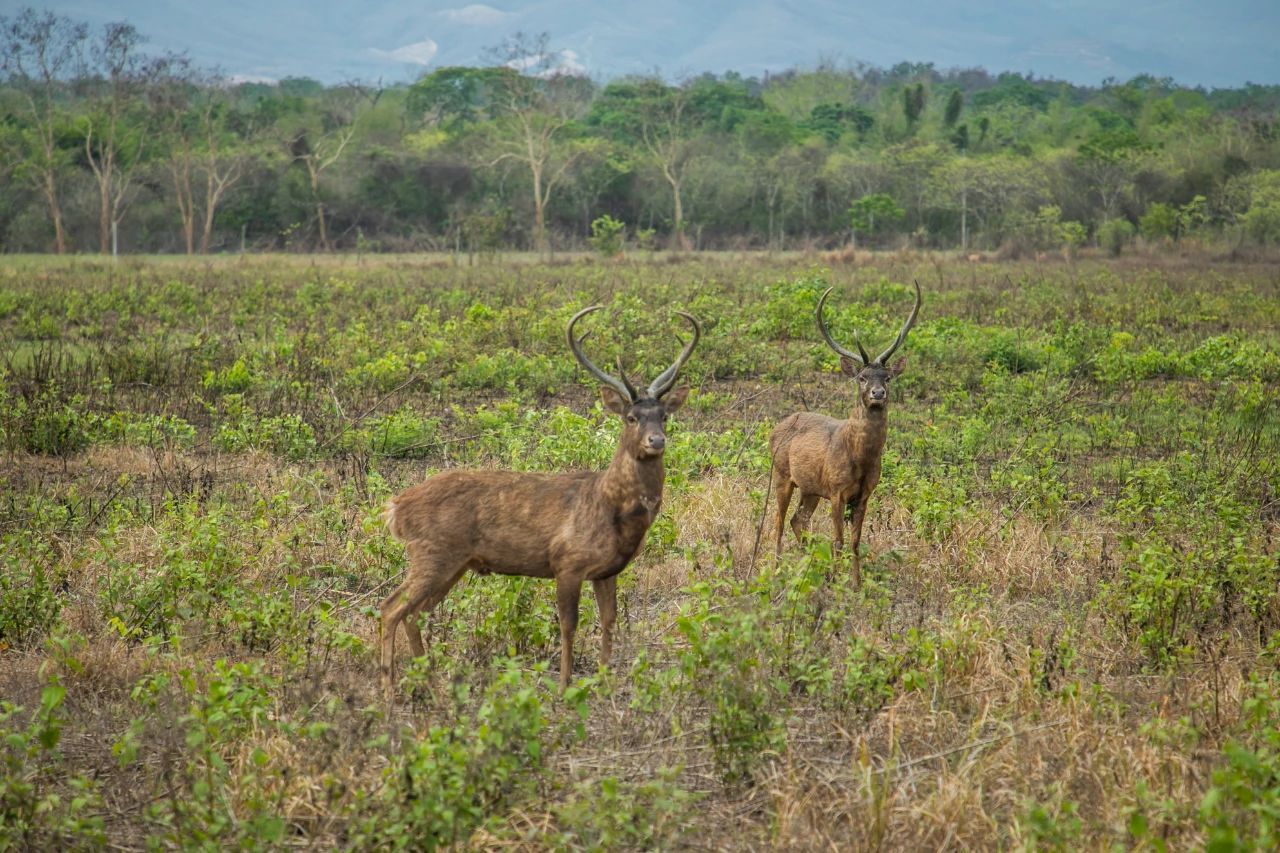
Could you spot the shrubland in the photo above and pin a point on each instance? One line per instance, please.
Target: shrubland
(1066, 635)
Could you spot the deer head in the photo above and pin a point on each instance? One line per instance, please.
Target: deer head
(872, 375)
(644, 413)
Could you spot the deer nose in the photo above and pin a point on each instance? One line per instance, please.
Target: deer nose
(878, 393)
(657, 442)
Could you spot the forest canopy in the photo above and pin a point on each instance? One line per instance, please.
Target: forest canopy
(108, 144)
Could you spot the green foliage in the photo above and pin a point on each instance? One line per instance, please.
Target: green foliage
(874, 213)
(610, 813)
(607, 234)
(33, 813)
(445, 784)
(403, 434)
(724, 667)
(1114, 235)
(1241, 809)
(1160, 221)
(30, 589)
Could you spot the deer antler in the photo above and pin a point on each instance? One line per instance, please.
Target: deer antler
(667, 378)
(906, 327)
(621, 386)
(861, 356)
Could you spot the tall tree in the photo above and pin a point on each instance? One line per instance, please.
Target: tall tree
(40, 52)
(116, 126)
(538, 104)
(955, 103)
(204, 162)
(663, 121)
(913, 103)
(318, 138)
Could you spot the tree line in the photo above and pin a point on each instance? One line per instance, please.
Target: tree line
(109, 146)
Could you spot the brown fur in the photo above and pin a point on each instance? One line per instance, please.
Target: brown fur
(829, 458)
(838, 460)
(571, 527)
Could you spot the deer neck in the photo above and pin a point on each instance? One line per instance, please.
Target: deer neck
(865, 430)
(630, 480)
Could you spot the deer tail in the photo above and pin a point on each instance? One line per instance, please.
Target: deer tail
(389, 516)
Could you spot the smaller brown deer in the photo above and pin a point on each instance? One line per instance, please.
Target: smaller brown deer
(571, 527)
(837, 459)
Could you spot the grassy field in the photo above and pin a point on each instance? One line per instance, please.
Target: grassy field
(1067, 635)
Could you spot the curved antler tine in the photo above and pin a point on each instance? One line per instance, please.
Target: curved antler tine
(866, 359)
(575, 344)
(622, 373)
(822, 327)
(906, 327)
(667, 378)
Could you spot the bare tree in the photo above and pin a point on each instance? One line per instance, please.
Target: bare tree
(40, 52)
(117, 126)
(319, 146)
(203, 164)
(536, 103)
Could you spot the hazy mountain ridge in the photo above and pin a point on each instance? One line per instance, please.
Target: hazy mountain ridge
(1082, 41)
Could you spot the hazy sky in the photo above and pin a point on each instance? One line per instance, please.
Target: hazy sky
(1194, 41)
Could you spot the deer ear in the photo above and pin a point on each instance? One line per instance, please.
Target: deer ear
(848, 366)
(613, 400)
(898, 366)
(674, 400)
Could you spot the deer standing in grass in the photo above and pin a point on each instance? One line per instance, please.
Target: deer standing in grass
(837, 459)
(571, 527)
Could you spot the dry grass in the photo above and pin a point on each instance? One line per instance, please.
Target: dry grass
(1019, 708)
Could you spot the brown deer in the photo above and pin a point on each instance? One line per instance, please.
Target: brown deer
(571, 527)
(837, 459)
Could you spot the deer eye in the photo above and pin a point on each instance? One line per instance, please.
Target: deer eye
(632, 419)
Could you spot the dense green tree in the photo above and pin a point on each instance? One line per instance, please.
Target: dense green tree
(955, 103)
(874, 213)
(519, 152)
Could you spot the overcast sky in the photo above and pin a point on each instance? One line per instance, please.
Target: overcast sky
(1196, 42)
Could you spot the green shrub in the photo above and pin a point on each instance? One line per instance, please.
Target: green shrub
(724, 665)
(1159, 222)
(234, 379)
(609, 814)
(34, 815)
(29, 589)
(403, 434)
(457, 776)
(1114, 235)
(606, 236)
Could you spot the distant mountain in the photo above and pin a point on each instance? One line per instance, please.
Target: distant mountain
(1082, 41)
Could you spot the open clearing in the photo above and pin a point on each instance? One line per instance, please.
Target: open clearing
(1067, 634)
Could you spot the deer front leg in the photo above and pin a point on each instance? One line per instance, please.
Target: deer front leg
(837, 522)
(568, 591)
(857, 512)
(607, 603)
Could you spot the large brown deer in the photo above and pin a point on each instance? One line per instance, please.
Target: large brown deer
(838, 459)
(571, 527)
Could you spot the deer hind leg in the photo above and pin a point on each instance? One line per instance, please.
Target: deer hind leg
(800, 521)
(783, 486)
(607, 603)
(428, 581)
(568, 592)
